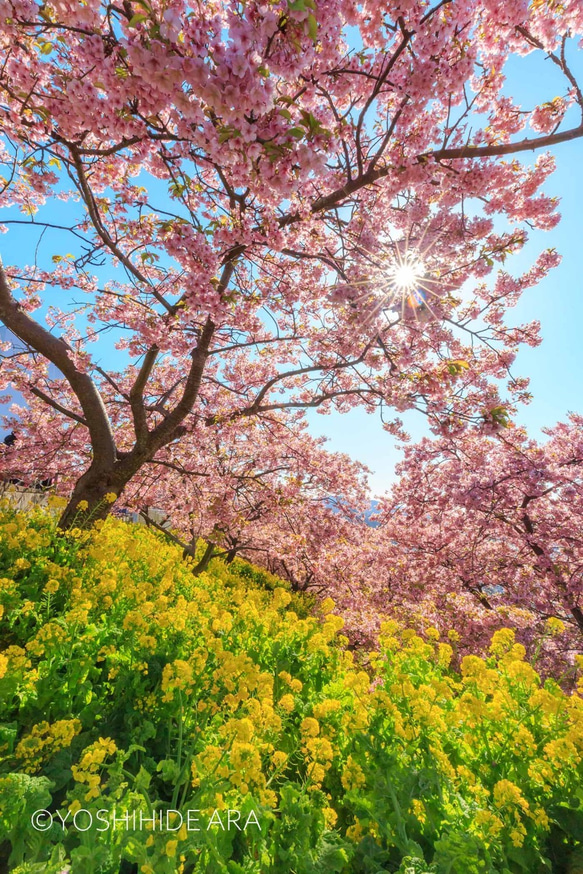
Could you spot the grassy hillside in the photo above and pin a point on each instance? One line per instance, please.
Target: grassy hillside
(166, 722)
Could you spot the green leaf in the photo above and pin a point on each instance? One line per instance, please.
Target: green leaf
(8, 735)
(137, 19)
(311, 123)
(42, 112)
(169, 770)
(456, 366)
(500, 416)
(143, 779)
(312, 27)
(275, 151)
(227, 132)
(570, 821)
(150, 257)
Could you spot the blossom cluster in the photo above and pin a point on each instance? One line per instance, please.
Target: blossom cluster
(130, 684)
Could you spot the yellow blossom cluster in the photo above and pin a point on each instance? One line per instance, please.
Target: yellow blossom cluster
(43, 740)
(90, 765)
(495, 718)
(222, 690)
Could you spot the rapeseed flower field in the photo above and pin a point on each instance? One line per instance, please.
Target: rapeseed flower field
(154, 721)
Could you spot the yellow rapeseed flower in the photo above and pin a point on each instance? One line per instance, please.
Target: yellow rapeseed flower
(287, 703)
(310, 727)
(554, 626)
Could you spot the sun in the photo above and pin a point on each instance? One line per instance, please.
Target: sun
(406, 276)
(400, 279)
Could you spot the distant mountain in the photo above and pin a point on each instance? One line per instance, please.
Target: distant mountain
(366, 516)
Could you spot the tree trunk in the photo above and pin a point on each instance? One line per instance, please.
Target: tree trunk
(92, 498)
(577, 615)
(97, 487)
(205, 560)
(232, 551)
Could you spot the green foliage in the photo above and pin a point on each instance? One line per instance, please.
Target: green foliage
(144, 707)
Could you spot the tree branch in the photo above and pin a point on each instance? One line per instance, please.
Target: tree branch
(136, 396)
(56, 405)
(59, 353)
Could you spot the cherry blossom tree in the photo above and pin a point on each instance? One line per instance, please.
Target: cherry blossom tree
(267, 206)
(263, 488)
(506, 512)
(477, 534)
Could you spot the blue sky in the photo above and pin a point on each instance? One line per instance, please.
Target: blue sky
(555, 367)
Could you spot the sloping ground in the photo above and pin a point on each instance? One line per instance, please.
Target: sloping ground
(161, 722)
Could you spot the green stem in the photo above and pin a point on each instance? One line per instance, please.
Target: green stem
(179, 753)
